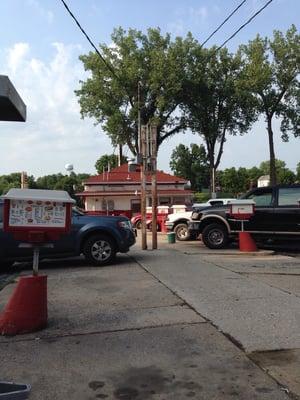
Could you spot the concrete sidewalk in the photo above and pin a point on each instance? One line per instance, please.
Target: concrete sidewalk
(255, 314)
(119, 333)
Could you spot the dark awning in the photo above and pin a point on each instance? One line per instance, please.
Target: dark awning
(12, 107)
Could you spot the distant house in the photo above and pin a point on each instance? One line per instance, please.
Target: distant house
(119, 191)
(263, 181)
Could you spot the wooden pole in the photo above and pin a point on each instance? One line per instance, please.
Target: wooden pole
(143, 187)
(153, 136)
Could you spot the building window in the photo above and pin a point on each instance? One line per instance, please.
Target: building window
(136, 206)
(164, 201)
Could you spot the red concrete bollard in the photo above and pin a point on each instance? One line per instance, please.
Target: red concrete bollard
(246, 242)
(26, 310)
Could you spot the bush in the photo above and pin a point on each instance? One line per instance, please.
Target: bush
(200, 197)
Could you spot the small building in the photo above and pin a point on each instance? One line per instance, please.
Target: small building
(263, 181)
(119, 191)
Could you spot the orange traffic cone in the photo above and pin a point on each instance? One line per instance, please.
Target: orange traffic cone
(246, 242)
(26, 310)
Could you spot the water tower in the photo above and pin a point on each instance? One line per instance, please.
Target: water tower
(69, 168)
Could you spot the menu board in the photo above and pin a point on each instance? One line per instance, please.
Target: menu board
(36, 213)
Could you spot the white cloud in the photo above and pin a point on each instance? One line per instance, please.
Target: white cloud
(54, 133)
(16, 54)
(44, 13)
(200, 13)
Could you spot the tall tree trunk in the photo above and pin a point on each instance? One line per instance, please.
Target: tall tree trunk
(212, 172)
(120, 155)
(210, 148)
(273, 177)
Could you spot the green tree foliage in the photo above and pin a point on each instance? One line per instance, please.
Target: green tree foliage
(234, 181)
(213, 104)
(149, 61)
(72, 184)
(264, 166)
(191, 164)
(271, 75)
(284, 175)
(14, 181)
(108, 161)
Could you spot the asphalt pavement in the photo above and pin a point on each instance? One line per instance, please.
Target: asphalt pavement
(173, 323)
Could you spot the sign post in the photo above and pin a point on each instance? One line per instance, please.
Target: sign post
(243, 210)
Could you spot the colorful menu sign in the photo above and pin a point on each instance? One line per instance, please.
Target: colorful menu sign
(36, 213)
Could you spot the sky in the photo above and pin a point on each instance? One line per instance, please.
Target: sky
(39, 49)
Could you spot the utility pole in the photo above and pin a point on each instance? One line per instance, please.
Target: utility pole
(120, 155)
(153, 155)
(24, 180)
(142, 151)
(144, 185)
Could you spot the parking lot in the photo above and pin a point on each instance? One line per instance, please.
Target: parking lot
(179, 322)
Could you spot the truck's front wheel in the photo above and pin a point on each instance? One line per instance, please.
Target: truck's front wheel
(181, 232)
(99, 249)
(215, 236)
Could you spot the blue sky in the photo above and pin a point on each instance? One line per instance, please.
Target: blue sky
(39, 49)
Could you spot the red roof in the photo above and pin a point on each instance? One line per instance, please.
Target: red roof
(171, 192)
(121, 175)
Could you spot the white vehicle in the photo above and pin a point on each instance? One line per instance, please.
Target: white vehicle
(178, 222)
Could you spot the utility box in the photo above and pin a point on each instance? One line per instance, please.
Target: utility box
(241, 209)
(37, 216)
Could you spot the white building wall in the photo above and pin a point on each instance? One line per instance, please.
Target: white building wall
(118, 188)
(120, 203)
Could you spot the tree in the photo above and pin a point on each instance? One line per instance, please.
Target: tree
(108, 161)
(234, 181)
(283, 174)
(271, 75)
(13, 180)
(191, 164)
(213, 104)
(264, 166)
(145, 73)
(71, 184)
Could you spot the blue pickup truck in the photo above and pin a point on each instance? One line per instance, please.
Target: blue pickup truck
(98, 238)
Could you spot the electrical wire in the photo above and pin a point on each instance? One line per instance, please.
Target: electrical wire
(245, 24)
(225, 20)
(108, 66)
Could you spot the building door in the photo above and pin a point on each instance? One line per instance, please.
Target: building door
(135, 206)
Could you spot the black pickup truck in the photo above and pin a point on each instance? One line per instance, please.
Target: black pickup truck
(276, 218)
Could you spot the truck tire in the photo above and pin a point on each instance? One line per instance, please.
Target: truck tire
(181, 232)
(215, 236)
(138, 224)
(99, 249)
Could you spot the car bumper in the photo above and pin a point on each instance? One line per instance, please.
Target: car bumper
(127, 242)
(194, 227)
(169, 226)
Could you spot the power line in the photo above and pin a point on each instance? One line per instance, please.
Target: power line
(108, 66)
(225, 20)
(243, 26)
